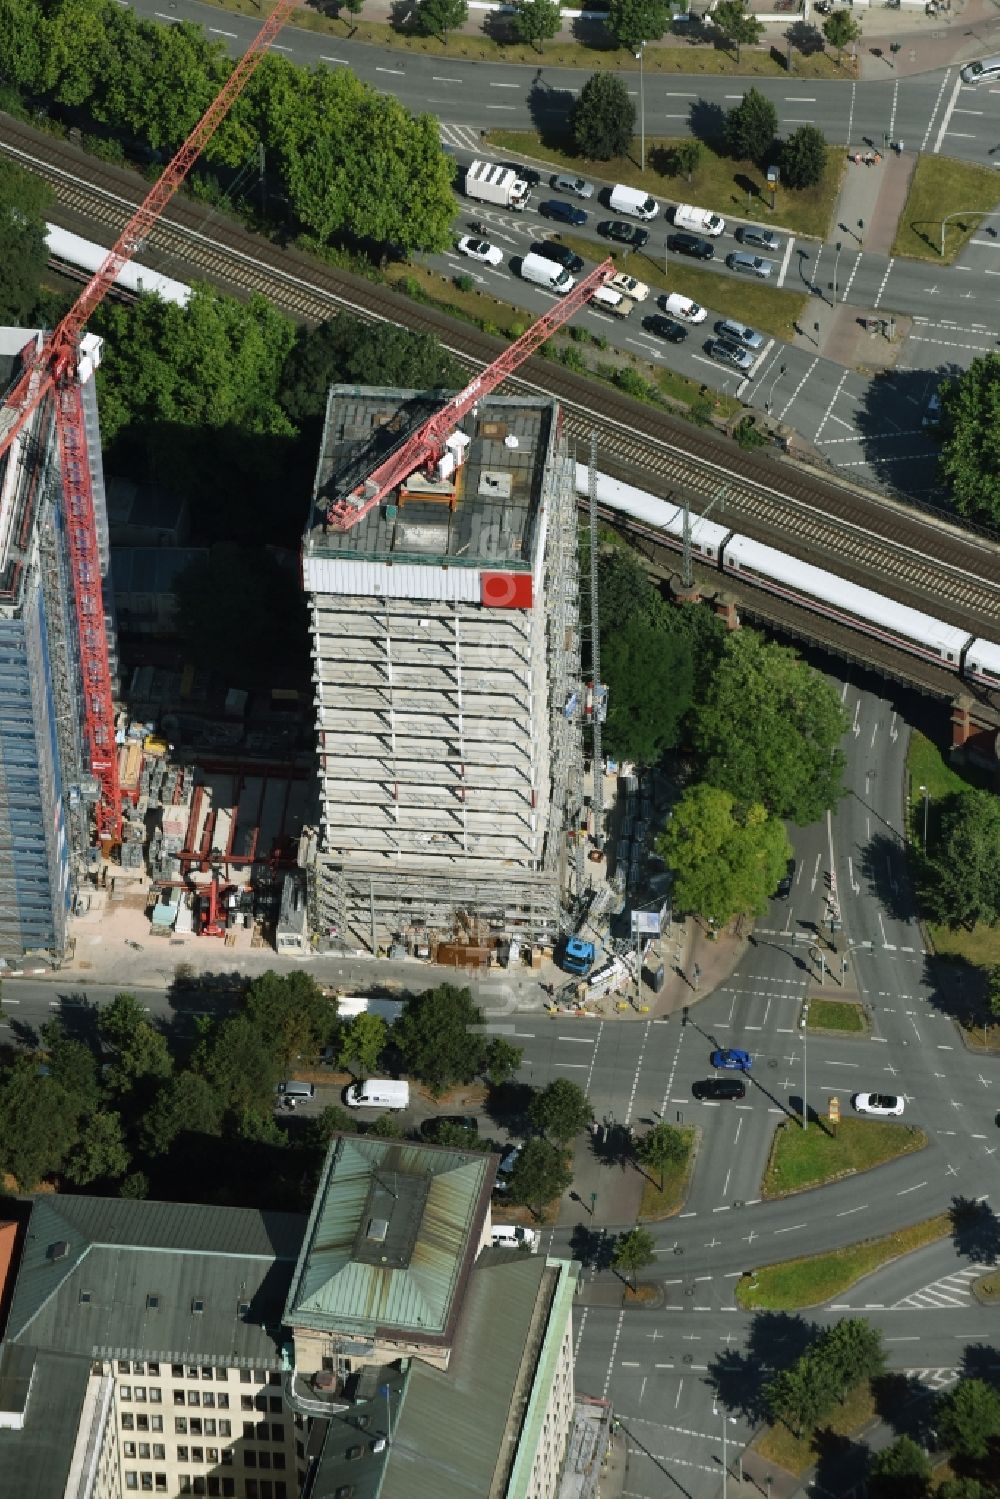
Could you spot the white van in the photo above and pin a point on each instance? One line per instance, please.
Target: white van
(513, 1236)
(378, 1093)
(683, 307)
(637, 204)
(686, 216)
(547, 273)
(606, 299)
(292, 1094)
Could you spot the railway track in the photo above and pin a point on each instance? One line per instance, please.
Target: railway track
(873, 539)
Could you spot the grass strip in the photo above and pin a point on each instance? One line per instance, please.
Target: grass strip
(815, 1278)
(778, 1445)
(825, 1152)
(942, 186)
(657, 1204)
(836, 1015)
(736, 188)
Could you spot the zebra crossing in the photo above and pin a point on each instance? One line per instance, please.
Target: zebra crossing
(950, 1290)
(462, 137)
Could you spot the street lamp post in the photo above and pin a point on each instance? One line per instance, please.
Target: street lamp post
(836, 263)
(962, 212)
(805, 1076)
(642, 110)
(770, 399)
(927, 798)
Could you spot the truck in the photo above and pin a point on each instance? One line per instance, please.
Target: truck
(578, 956)
(488, 183)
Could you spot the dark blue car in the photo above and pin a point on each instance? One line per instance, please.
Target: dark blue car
(566, 213)
(732, 1059)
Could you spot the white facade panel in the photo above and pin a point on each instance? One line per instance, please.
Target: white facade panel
(406, 580)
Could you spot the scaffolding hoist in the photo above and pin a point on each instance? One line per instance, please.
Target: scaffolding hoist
(54, 369)
(425, 446)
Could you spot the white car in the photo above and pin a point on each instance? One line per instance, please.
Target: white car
(481, 249)
(638, 291)
(882, 1104)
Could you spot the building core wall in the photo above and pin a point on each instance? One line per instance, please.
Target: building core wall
(445, 749)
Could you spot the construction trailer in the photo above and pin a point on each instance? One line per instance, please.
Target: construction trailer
(446, 666)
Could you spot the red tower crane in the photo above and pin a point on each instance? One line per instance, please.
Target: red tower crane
(426, 445)
(53, 369)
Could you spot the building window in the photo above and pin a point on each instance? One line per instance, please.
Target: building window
(225, 1428)
(211, 1454)
(278, 1458)
(156, 1423)
(197, 1306)
(182, 1452)
(84, 1298)
(142, 1423)
(251, 1488)
(262, 1431)
(266, 1489)
(248, 1431)
(155, 1394)
(153, 1370)
(177, 1371)
(128, 1421)
(265, 1459)
(250, 1458)
(125, 1391)
(196, 1426)
(131, 1479)
(246, 1375)
(178, 1397)
(194, 1397)
(206, 1371)
(209, 1427)
(193, 1371)
(228, 1488)
(199, 1486)
(227, 1457)
(280, 1489)
(197, 1454)
(214, 1486)
(146, 1481)
(222, 1374)
(208, 1398)
(184, 1483)
(161, 1483)
(274, 1377)
(180, 1426)
(144, 1452)
(139, 1369)
(222, 1400)
(274, 1402)
(246, 1402)
(139, 1393)
(123, 1366)
(128, 1449)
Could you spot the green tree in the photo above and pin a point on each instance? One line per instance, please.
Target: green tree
(801, 1396)
(769, 729)
(536, 21)
(684, 158)
(751, 127)
(293, 1012)
(650, 677)
(602, 118)
(901, 1471)
(100, 1153)
(22, 39)
(24, 203)
(239, 1061)
(840, 28)
(633, 1251)
(138, 1051)
(561, 1110)
(354, 7)
(434, 1038)
(962, 882)
(970, 452)
(501, 1061)
(37, 1125)
(726, 861)
(661, 1147)
(362, 1042)
(851, 1350)
(737, 25)
(626, 593)
(541, 1172)
(632, 22)
(803, 157)
(438, 17)
(134, 1187)
(346, 349)
(385, 1127)
(187, 1103)
(73, 1066)
(320, 1128)
(993, 992)
(968, 1418)
(458, 1138)
(960, 1488)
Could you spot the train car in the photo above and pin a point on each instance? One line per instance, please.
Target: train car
(897, 624)
(982, 663)
(707, 538)
(72, 250)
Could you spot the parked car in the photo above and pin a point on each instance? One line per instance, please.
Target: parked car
(577, 187)
(624, 234)
(763, 239)
(665, 327)
(739, 333)
(638, 291)
(882, 1104)
(430, 1128)
(784, 889)
(932, 412)
(480, 249)
(726, 352)
(690, 244)
(750, 265)
(565, 213)
(731, 1058)
(719, 1087)
(507, 1163)
(561, 254)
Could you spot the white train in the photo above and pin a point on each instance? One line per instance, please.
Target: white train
(967, 655)
(71, 250)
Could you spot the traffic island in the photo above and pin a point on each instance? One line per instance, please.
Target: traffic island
(828, 1150)
(814, 1279)
(659, 1202)
(778, 1445)
(844, 1017)
(987, 1288)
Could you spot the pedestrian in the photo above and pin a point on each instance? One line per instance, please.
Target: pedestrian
(878, 158)
(899, 148)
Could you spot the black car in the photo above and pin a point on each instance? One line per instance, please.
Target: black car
(561, 254)
(665, 327)
(566, 213)
(784, 889)
(719, 1087)
(526, 174)
(430, 1128)
(690, 244)
(624, 234)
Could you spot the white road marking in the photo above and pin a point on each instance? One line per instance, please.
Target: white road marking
(784, 263)
(947, 114)
(937, 105)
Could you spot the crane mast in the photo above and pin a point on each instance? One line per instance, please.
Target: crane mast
(53, 369)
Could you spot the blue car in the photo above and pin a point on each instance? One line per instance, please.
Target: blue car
(566, 213)
(732, 1059)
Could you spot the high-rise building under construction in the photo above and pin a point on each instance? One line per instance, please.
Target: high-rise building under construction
(44, 790)
(446, 663)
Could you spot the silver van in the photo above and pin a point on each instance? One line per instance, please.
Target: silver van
(987, 70)
(291, 1094)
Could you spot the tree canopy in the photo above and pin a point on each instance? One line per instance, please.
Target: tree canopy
(24, 203)
(347, 349)
(803, 157)
(737, 24)
(840, 28)
(650, 677)
(835, 1361)
(362, 1042)
(536, 21)
(768, 730)
(602, 117)
(726, 860)
(561, 1110)
(900, 1471)
(438, 17)
(633, 1251)
(970, 452)
(540, 1173)
(662, 1146)
(632, 22)
(962, 881)
(751, 128)
(968, 1417)
(434, 1038)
